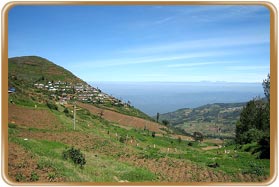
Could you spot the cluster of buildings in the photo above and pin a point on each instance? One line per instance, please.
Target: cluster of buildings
(63, 92)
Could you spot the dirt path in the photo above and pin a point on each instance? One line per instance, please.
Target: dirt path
(122, 119)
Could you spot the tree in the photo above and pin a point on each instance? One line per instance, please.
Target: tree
(165, 122)
(254, 123)
(158, 115)
(266, 86)
(198, 136)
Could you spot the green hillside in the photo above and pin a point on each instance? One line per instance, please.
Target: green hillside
(213, 120)
(37, 80)
(33, 69)
(50, 141)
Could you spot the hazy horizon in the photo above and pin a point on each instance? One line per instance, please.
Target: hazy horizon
(163, 97)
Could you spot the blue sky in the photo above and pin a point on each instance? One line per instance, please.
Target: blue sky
(146, 43)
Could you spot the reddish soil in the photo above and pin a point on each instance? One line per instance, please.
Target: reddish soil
(22, 163)
(79, 140)
(122, 119)
(36, 118)
(174, 170)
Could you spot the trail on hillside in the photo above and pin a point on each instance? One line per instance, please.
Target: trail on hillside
(122, 119)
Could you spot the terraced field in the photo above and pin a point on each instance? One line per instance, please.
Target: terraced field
(115, 154)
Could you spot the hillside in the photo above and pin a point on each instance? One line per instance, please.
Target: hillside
(103, 141)
(213, 120)
(38, 80)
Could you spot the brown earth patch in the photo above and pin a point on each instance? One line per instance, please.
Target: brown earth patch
(84, 141)
(36, 118)
(174, 170)
(22, 163)
(122, 119)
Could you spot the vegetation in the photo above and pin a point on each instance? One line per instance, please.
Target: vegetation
(213, 120)
(75, 155)
(46, 148)
(254, 123)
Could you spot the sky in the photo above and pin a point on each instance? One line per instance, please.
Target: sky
(146, 43)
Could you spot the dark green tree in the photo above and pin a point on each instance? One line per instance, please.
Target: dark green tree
(198, 136)
(158, 115)
(254, 122)
(165, 122)
(266, 86)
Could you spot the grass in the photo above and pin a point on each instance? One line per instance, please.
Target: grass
(105, 167)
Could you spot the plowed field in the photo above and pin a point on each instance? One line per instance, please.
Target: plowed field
(122, 119)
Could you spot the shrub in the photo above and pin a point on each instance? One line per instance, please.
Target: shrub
(52, 106)
(11, 125)
(122, 139)
(34, 176)
(198, 136)
(20, 177)
(66, 111)
(51, 176)
(75, 155)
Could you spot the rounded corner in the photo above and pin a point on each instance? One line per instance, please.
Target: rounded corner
(7, 179)
(8, 6)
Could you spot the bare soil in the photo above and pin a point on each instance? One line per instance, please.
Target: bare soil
(36, 118)
(122, 119)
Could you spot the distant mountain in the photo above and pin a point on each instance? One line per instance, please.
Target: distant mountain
(211, 119)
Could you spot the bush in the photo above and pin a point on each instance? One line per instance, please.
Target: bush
(20, 177)
(11, 125)
(75, 155)
(66, 111)
(122, 139)
(34, 176)
(52, 106)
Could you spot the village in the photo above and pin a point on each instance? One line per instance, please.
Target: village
(65, 92)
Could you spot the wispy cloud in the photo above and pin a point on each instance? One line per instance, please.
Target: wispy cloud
(199, 44)
(247, 67)
(161, 21)
(197, 64)
(148, 59)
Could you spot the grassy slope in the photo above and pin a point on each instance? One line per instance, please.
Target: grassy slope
(108, 158)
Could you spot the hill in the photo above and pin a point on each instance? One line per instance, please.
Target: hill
(213, 120)
(49, 142)
(38, 80)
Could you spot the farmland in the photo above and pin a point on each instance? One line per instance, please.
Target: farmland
(146, 158)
